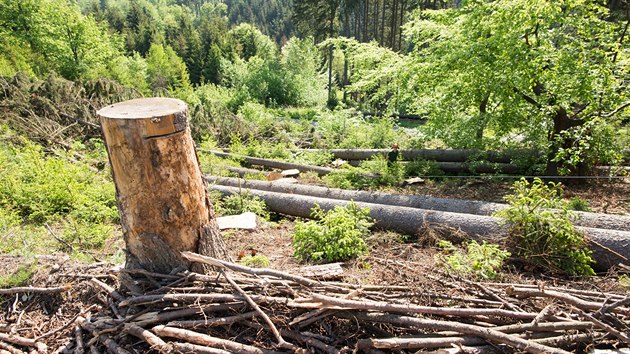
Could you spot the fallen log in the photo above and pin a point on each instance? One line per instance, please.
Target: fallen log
(610, 247)
(273, 163)
(594, 220)
(441, 155)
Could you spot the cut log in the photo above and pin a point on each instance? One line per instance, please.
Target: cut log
(610, 247)
(273, 163)
(442, 155)
(468, 167)
(594, 220)
(160, 191)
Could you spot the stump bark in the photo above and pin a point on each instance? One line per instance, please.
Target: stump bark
(161, 195)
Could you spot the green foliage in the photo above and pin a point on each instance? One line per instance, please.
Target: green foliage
(542, 230)
(240, 203)
(578, 204)
(257, 261)
(20, 277)
(422, 167)
(165, 69)
(624, 280)
(338, 234)
(480, 260)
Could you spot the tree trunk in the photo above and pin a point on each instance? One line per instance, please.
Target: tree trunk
(160, 191)
(383, 24)
(610, 247)
(562, 122)
(594, 220)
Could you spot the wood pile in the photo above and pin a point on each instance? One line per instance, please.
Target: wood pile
(254, 310)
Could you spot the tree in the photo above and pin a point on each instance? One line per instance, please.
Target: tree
(166, 70)
(534, 68)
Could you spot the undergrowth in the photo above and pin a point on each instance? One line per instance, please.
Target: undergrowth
(51, 202)
(479, 260)
(543, 231)
(336, 235)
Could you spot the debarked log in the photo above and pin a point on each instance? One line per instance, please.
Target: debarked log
(610, 247)
(442, 155)
(273, 163)
(595, 220)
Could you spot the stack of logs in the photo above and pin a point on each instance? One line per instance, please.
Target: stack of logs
(252, 310)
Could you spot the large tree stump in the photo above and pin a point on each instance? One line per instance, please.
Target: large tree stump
(161, 195)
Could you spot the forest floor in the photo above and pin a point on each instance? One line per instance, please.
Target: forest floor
(392, 261)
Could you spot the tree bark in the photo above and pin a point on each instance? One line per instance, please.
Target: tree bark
(610, 247)
(160, 191)
(591, 220)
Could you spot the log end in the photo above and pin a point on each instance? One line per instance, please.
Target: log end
(142, 108)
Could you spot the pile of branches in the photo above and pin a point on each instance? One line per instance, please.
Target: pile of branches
(252, 310)
(55, 110)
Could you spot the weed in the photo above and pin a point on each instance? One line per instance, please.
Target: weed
(542, 229)
(20, 277)
(338, 234)
(578, 204)
(480, 260)
(422, 167)
(240, 203)
(257, 261)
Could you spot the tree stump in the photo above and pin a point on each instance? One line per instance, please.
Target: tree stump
(160, 192)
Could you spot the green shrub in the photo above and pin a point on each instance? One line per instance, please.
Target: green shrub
(337, 235)
(422, 167)
(578, 204)
(239, 203)
(480, 260)
(20, 277)
(257, 261)
(41, 188)
(542, 229)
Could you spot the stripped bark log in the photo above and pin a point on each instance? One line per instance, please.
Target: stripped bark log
(594, 220)
(610, 247)
(442, 155)
(273, 163)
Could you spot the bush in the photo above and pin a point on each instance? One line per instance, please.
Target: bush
(480, 260)
(578, 204)
(542, 230)
(257, 261)
(337, 235)
(240, 203)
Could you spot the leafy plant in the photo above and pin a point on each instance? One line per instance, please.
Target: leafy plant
(542, 230)
(244, 202)
(578, 204)
(337, 235)
(19, 277)
(422, 167)
(257, 261)
(480, 260)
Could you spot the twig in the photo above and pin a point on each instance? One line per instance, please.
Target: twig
(204, 339)
(220, 321)
(193, 348)
(254, 271)
(26, 342)
(614, 305)
(281, 342)
(604, 326)
(486, 333)
(155, 317)
(569, 299)
(409, 308)
(26, 289)
(78, 336)
(316, 343)
(543, 314)
(68, 324)
(108, 289)
(10, 349)
(52, 233)
(154, 341)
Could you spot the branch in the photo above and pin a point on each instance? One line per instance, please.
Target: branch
(617, 110)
